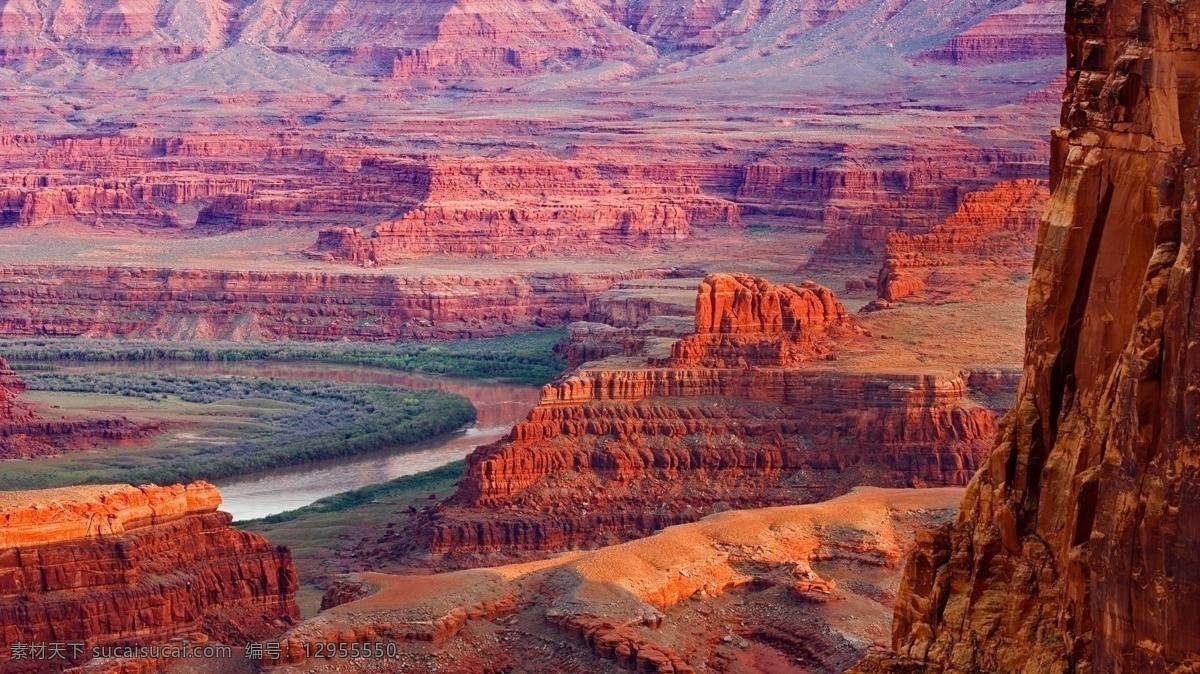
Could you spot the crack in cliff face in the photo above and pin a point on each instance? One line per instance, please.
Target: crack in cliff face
(1075, 547)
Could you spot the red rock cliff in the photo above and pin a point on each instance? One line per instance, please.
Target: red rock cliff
(534, 206)
(115, 565)
(210, 304)
(614, 454)
(1076, 546)
(991, 230)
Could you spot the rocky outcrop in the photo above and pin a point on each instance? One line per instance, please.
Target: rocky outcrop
(865, 194)
(117, 565)
(519, 203)
(639, 450)
(1032, 30)
(733, 418)
(1074, 550)
(659, 604)
(742, 320)
(991, 232)
(200, 304)
(536, 205)
(11, 386)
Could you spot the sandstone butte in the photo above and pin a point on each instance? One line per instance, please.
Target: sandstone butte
(1029, 31)
(812, 580)
(1075, 548)
(992, 231)
(26, 434)
(117, 565)
(734, 416)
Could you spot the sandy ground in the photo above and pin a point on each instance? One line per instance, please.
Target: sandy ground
(733, 574)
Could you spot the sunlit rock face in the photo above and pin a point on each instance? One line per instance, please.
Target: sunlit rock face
(1076, 544)
(114, 565)
(747, 411)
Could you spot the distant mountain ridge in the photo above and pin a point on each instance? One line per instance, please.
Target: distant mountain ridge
(448, 39)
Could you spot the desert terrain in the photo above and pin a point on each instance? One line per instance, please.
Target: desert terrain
(767, 262)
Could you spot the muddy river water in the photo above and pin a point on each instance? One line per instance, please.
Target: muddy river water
(499, 407)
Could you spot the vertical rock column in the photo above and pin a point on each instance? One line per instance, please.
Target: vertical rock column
(1077, 544)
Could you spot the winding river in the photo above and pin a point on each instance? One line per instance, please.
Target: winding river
(499, 407)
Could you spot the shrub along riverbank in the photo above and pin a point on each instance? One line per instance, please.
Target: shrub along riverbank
(268, 423)
(522, 359)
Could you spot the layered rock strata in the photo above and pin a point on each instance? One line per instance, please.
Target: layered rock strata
(535, 206)
(742, 320)
(611, 454)
(1076, 544)
(516, 204)
(991, 232)
(201, 304)
(1032, 30)
(118, 565)
(800, 584)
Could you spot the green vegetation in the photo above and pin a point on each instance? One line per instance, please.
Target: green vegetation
(320, 534)
(522, 359)
(384, 492)
(264, 423)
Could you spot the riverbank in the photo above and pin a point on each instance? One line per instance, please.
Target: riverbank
(524, 359)
(498, 407)
(220, 426)
(322, 534)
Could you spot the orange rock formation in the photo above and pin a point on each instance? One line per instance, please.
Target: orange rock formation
(198, 304)
(116, 565)
(729, 419)
(537, 205)
(993, 230)
(741, 320)
(713, 595)
(1076, 544)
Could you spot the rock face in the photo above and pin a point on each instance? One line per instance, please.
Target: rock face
(536, 206)
(742, 320)
(522, 203)
(992, 232)
(869, 195)
(1032, 30)
(118, 565)
(1076, 544)
(732, 418)
(198, 304)
(769, 585)
(11, 386)
(25, 434)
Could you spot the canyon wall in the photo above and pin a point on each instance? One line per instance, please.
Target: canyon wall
(537, 205)
(199, 304)
(1076, 544)
(1030, 31)
(864, 194)
(614, 452)
(116, 565)
(992, 232)
(518, 204)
